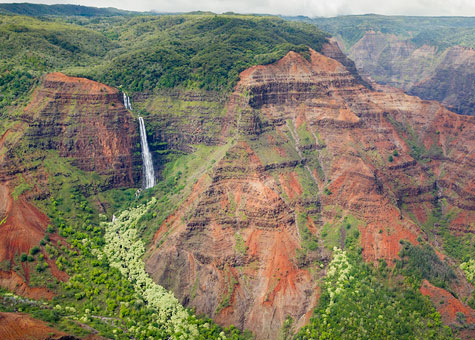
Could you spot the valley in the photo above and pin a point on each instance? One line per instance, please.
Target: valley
(202, 176)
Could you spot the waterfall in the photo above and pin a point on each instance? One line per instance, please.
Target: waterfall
(146, 157)
(127, 104)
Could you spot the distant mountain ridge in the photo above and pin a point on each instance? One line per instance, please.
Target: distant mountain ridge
(430, 57)
(61, 10)
(437, 31)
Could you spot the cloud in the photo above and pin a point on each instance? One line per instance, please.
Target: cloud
(310, 8)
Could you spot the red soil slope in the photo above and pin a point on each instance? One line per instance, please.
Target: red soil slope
(234, 254)
(17, 326)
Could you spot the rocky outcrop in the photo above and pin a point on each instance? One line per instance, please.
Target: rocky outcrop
(426, 71)
(333, 51)
(452, 310)
(87, 122)
(314, 145)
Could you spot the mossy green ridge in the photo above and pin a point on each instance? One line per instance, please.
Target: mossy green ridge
(60, 10)
(170, 51)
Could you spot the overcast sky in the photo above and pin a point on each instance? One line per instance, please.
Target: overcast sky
(310, 8)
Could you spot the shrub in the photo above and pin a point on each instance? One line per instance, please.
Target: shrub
(35, 250)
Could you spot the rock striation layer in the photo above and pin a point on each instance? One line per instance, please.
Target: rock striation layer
(429, 72)
(85, 121)
(313, 145)
(74, 118)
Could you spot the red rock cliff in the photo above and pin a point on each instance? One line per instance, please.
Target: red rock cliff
(313, 146)
(86, 121)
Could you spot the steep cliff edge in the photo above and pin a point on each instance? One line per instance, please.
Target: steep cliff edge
(73, 135)
(314, 149)
(85, 121)
(452, 82)
(430, 72)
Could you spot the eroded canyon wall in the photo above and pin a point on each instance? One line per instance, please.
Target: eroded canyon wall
(314, 148)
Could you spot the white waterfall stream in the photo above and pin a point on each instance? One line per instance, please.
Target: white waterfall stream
(127, 102)
(146, 155)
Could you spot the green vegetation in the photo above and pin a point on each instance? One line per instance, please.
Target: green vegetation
(358, 301)
(240, 245)
(421, 262)
(29, 47)
(62, 10)
(200, 54)
(309, 240)
(147, 52)
(124, 250)
(20, 188)
(100, 293)
(469, 269)
(170, 51)
(342, 233)
(435, 31)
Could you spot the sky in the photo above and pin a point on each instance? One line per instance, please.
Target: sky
(311, 8)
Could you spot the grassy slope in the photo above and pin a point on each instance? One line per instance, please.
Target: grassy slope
(30, 47)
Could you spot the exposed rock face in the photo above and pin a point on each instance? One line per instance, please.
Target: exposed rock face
(16, 326)
(180, 119)
(81, 120)
(452, 82)
(333, 51)
(313, 146)
(447, 304)
(426, 71)
(86, 121)
(19, 326)
(22, 228)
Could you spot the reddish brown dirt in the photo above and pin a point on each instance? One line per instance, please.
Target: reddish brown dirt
(358, 130)
(18, 326)
(15, 283)
(291, 184)
(86, 121)
(380, 242)
(24, 227)
(266, 270)
(79, 84)
(447, 305)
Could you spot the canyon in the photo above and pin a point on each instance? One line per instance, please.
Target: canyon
(429, 72)
(250, 190)
(84, 124)
(430, 57)
(303, 129)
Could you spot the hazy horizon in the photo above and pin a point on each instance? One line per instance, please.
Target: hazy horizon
(324, 8)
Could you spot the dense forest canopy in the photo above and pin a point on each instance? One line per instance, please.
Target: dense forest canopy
(144, 53)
